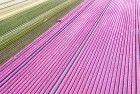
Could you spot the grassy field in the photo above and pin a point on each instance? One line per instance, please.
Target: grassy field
(23, 41)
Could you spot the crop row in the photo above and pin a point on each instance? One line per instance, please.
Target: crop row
(23, 30)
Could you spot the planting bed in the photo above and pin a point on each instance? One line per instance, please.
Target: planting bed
(94, 49)
(13, 41)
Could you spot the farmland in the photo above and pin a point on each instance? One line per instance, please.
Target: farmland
(16, 34)
(74, 47)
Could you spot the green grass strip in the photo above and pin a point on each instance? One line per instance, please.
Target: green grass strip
(13, 22)
(14, 35)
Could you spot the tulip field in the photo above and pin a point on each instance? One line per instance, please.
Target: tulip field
(71, 47)
(23, 27)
